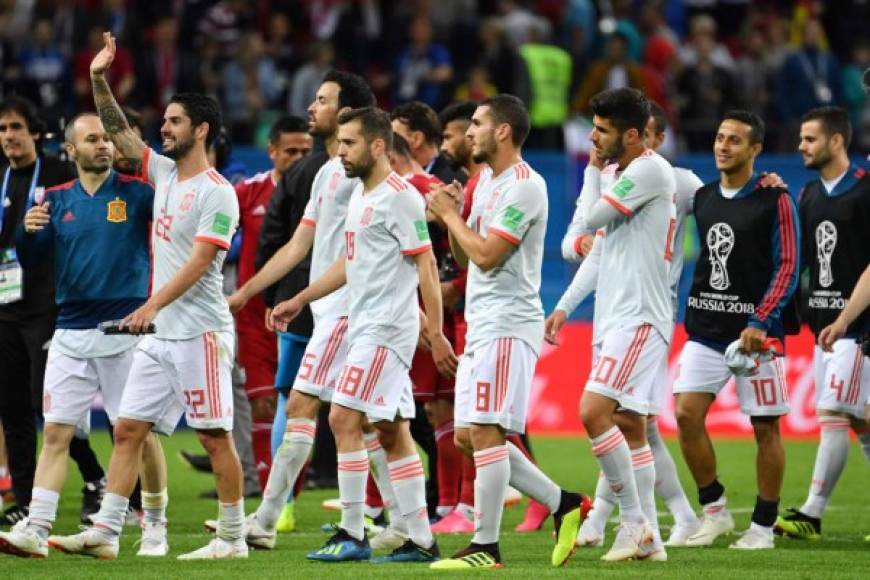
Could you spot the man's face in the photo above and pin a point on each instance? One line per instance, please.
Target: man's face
(481, 135)
(354, 152)
(606, 139)
(323, 112)
(733, 149)
(176, 132)
(652, 139)
(455, 145)
(288, 148)
(15, 137)
(91, 148)
(814, 145)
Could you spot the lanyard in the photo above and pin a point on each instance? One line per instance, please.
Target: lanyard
(31, 200)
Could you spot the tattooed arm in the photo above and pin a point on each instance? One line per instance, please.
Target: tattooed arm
(125, 139)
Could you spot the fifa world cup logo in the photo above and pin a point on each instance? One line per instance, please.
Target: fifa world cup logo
(720, 242)
(826, 241)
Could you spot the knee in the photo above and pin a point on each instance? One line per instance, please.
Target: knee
(387, 437)
(128, 433)
(214, 441)
(342, 422)
(462, 441)
(689, 419)
(57, 436)
(301, 406)
(263, 408)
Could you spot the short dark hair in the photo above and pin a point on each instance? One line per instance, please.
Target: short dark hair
(287, 124)
(201, 109)
(27, 110)
(511, 110)
(659, 117)
(457, 112)
(626, 108)
(353, 90)
(374, 123)
(419, 116)
(400, 146)
(134, 119)
(756, 125)
(833, 120)
(68, 128)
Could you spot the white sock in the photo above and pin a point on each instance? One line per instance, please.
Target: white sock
(830, 462)
(43, 510)
(668, 484)
(466, 510)
(381, 474)
(353, 471)
(490, 486)
(864, 440)
(113, 511)
(602, 506)
(531, 481)
(615, 459)
(409, 483)
(154, 505)
(231, 521)
(645, 478)
(286, 465)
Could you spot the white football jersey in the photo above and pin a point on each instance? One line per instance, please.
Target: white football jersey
(326, 211)
(634, 280)
(505, 302)
(385, 228)
(202, 208)
(687, 184)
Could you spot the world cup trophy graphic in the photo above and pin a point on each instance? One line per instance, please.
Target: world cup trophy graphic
(720, 242)
(826, 241)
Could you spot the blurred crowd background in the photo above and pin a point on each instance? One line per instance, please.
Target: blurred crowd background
(262, 58)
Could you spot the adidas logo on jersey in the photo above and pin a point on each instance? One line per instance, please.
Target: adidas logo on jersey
(259, 210)
(380, 402)
(68, 217)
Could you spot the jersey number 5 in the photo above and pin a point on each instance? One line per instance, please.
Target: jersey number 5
(350, 242)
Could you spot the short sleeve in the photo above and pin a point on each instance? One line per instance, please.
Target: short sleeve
(516, 210)
(155, 167)
(312, 208)
(642, 181)
(219, 216)
(408, 223)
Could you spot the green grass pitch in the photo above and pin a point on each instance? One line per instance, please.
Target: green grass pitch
(841, 554)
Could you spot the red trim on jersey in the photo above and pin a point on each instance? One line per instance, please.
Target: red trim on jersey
(619, 207)
(416, 251)
(308, 222)
(125, 178)
(505, 236)
(521, 171)
(395, 182)
(64, 185)
(788, 259)
(143, 170)
(222, 244)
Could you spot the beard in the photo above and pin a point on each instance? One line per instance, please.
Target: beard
(361, 169)
(819, 160)
(91, 166)
(322, 132)
(459, 158)
(181, 148)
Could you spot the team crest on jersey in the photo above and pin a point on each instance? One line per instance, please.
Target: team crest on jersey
(116, 211)
(333, 182)
(366, 218)
(187, 201)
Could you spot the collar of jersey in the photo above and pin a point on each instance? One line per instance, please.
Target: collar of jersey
(852, 177)
(747, 188)
(108, 184)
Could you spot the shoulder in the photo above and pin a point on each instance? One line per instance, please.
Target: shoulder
(58, 192)
(133, 183)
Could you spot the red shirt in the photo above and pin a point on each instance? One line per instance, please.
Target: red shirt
(254, 195)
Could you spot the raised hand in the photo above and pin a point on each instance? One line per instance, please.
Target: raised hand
(36, 218)
(104, 58)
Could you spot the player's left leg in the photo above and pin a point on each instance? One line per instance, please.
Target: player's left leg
(764, 398)
(155, 498)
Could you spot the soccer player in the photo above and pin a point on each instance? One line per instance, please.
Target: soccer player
(834, 216)
(387, 252)
(420, 126)
(321, 228)
(573, 249)
(184, 366)
(28, 310)
(97, 229)
(635, 221)
(744, 280)
(258, 352)
(503, 244)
